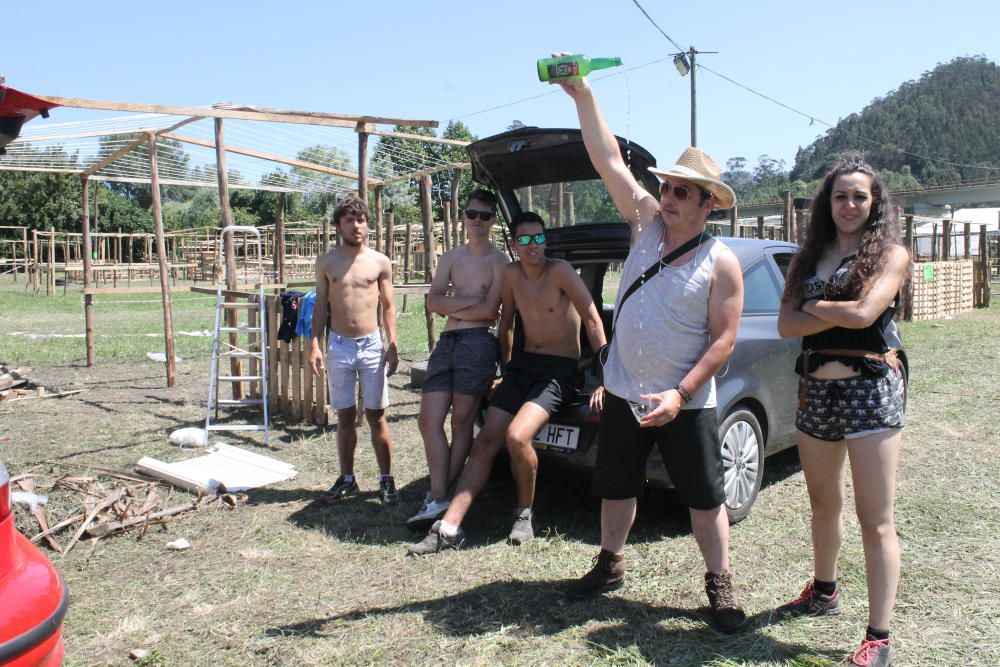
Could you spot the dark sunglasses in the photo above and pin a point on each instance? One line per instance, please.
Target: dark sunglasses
(482, 215)
(681, 192)
(526, 239)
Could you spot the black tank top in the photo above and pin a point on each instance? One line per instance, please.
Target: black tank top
(880, 336)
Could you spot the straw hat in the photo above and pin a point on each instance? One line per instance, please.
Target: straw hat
(695, 165)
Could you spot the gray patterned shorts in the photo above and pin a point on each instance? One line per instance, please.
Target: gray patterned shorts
(464, 361)
(850, 408)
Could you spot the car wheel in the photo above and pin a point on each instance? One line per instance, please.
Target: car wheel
(742, 460)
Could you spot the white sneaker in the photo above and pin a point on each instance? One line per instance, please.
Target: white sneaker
(431, 511)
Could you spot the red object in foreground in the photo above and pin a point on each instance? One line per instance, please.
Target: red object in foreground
(33, 597)
(16, 109)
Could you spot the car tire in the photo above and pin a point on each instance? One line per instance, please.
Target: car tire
(743, 461)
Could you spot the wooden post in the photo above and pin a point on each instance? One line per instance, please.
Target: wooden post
(168, 320)
(390, 231)
(325, 241)
(946, 239)
(50, 282)
(88, 299)
(967, 236)
(760, 226)
(407, 242)
(984, 262)
(570, 209)
(446, 226)
(378, 217)
(430, 256)
(734, 222)
(934, 242)
(909, 237)
(458, 236)
(279, 240)
(228, 250)
(800, 216)
(560, 190)
(35, 277)
(362, 129)
(786, 216)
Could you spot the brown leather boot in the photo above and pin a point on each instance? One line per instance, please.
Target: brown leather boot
(607, 574)
(726, 610)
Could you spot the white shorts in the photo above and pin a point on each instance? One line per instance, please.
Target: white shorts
(351, 359)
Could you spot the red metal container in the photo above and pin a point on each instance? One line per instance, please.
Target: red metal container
(33, 597)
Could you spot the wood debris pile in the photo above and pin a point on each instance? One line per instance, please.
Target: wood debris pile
(105, 508)
(15, 385)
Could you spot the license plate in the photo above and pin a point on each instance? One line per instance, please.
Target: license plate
(557, 436)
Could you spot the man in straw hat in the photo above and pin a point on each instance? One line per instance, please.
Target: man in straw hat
(675, 331)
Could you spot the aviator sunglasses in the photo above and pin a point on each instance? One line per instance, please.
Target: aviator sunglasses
(681, 192)
(526, 239)
(485, 216)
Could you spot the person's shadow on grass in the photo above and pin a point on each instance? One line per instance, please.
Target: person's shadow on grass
(626, 629)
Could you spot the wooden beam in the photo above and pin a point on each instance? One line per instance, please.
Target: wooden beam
(419, 137)
(117, 155)
(380, 120)
(265, 156)
(425, 172)
(238, 113)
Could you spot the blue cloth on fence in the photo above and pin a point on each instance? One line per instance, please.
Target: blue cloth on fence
(306, 305)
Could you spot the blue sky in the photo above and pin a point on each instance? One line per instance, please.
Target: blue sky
(455, 60)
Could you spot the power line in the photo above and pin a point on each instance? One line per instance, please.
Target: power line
(812, 118)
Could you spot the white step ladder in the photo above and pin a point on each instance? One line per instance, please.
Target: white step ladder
(245, 349)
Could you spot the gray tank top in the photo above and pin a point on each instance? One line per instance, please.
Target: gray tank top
(662, 331)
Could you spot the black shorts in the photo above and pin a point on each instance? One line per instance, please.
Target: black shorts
(546, 380)
(689, 446)
(464, 361)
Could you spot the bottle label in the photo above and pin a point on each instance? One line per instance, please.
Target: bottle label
(564, 70)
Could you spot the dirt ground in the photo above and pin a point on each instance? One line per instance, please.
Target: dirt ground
(285, 581)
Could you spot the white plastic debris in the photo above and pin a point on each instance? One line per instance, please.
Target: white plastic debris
(32, 500)
(161, 357)
(191, 436)
(180, 544)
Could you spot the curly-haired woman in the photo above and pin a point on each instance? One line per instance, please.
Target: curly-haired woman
(841, 294)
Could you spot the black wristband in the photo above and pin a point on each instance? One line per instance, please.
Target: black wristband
(685, 396)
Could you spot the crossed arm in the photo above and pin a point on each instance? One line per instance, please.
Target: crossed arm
(816, 315)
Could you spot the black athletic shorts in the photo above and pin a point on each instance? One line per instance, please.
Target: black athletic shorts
(689, 446)
(543, 379)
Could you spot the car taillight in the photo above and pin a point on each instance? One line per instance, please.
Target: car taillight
(4, 491)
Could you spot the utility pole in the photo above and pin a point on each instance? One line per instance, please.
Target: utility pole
(694, 99)
(685, 63)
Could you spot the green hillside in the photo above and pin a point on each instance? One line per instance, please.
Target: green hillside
(951, 114)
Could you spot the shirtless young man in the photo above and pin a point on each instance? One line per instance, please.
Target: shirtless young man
(350, 281)
(466, 288)
(551, 299)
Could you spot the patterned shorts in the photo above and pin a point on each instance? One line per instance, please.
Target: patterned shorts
(851, 407)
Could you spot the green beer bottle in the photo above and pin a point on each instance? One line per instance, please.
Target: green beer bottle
(572, 67)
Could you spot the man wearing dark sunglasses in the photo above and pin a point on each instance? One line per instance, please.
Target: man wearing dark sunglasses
(551, 300)
(670, 338)
(463, 365)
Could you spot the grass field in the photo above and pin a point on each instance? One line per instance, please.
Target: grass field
(285, 581)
